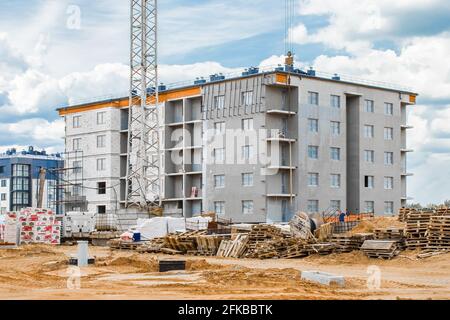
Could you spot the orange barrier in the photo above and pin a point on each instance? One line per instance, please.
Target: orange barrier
(350, 218)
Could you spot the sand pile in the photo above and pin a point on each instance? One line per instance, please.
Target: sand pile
(198, 265)
(254, 277)
(350, 258)
(369, 225)
(136, 261)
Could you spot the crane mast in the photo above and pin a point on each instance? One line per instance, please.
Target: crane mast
(143, 182)
(288, 40)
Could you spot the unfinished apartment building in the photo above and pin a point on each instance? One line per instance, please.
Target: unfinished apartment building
(257, 147)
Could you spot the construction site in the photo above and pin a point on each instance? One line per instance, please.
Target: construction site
(272, 183)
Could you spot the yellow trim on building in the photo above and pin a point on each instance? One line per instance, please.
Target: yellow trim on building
(124, 102)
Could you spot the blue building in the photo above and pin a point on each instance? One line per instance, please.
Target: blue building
(19, 179)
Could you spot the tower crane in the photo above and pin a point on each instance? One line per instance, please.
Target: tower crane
(143, 176)
(288, 40)
(143, 173)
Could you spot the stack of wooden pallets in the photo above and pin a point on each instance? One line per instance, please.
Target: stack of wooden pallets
(344, 242)
(207, 245)
(260, 240)
(403, 213)
(320, 248)
(394, 234)
(438, 235)
(183, 242)
(382, 249)
(273, 248)
(296, 250)
(233, 248)
(416, 228)
(124, 245)
(153, 246)
(349, 242)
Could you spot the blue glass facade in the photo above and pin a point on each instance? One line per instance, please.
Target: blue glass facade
(20, 171)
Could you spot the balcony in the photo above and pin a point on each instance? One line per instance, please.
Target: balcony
(407, 174)
(406, 127)
(280, 195)
(281, 167)
(280, 136)
(281, 112)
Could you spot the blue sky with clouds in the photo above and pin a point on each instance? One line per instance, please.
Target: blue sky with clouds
(46, 62)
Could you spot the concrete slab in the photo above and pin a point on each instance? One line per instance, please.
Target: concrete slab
(323, 278)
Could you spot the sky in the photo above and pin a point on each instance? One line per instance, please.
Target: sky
(57, 52)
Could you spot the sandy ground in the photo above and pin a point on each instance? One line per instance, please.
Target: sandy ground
(41, 272)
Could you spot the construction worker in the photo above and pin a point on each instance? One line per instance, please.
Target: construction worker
(341, 216)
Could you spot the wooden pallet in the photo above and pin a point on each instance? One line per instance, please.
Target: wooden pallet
(382, 249)
(233, 248)
(171, 251)
(394, 234)
(124, 245)
(417, 223)
(438, 233)
(321, 248)
(295, 250)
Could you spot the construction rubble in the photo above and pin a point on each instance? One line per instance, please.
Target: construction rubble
(208, 235)
(428, 230)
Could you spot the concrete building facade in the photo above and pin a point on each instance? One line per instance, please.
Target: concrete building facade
(257, 147)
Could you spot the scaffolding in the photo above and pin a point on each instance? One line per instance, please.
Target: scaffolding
(66, 186)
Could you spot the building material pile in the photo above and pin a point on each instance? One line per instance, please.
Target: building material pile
(349, 242)
(383, 249)
(9, 230)
(263, 242)
(394, 234)
(32, 225)
(438, 235)
(417, 223)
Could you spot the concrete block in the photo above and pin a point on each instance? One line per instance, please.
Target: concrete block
(323, 278)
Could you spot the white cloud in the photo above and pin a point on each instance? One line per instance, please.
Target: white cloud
(40, 129)
(179, 73)
(430, 181)
(300, 34)
(420, 64)
(354, 25)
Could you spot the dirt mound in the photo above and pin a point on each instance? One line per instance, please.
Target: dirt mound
(350, 258)
(369, 225)
(252, 277)
(136, 261)
(198, 265)
(54, 265)
(38, 249)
